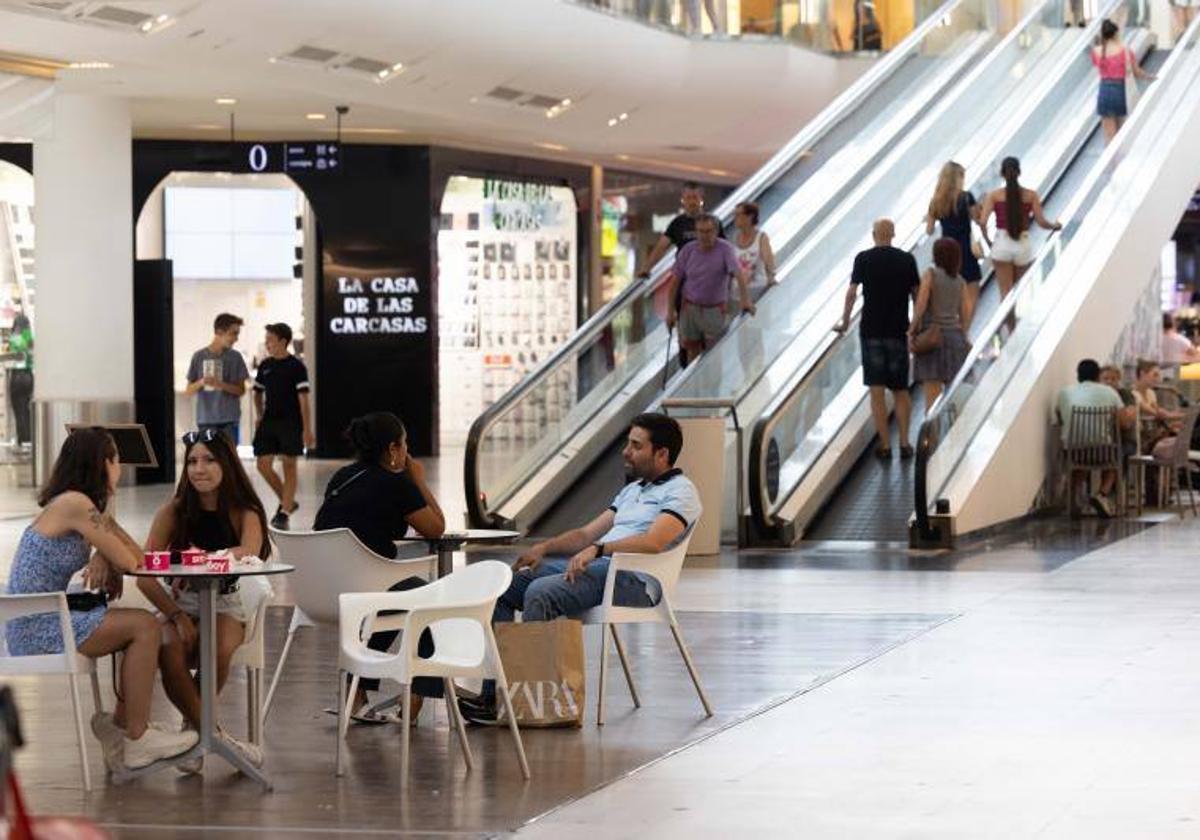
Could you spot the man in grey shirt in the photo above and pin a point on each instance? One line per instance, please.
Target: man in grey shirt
(217, 376)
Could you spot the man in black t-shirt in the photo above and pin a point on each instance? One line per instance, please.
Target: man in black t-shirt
(889, 279)
(284, 423)
(682, 229)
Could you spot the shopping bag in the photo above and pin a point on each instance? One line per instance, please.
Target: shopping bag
(543, 661)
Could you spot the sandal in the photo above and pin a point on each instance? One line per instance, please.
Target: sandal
(906, 452)
(883, 453)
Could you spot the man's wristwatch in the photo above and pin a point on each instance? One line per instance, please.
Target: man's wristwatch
(599, 549)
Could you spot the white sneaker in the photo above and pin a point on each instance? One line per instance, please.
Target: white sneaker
(111, 738)
(155, 745)
(250, 752)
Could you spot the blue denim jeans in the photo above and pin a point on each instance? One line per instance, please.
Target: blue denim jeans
(543, 594)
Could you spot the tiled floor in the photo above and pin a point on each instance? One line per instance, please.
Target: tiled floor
(1042, 682)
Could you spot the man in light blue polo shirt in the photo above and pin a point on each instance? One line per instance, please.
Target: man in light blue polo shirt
(565, 575)
(648, 516)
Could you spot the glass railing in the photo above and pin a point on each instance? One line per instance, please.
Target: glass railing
(808, 413)
(955, 419)
(842, 27)
(608, 358)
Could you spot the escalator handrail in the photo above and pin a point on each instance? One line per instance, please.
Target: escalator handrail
(1071, 219)
(760, 434)
(841, 107)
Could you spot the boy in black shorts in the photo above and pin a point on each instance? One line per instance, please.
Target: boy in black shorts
(284, 425)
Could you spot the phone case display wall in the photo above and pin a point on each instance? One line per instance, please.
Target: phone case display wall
(507, 291)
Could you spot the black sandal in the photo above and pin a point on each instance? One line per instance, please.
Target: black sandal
(906, 452)
(883, 453)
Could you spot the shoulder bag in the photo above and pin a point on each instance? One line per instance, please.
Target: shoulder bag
(927, 340)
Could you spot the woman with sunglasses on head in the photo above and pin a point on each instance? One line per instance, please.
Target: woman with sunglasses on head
(214, 508)
(74, 531)
(378, 497)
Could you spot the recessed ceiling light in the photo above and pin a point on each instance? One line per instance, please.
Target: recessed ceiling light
(90, 65)
(226, 100)
(147, 26)
(612, 122)
(397, 67)
(623, 117)
(206, 126)
(314, 116)
(554, 147)
(362, 130)
(162, 18)
(566, 103)
(383, 74)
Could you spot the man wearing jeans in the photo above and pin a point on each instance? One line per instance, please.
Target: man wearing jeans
(217, 376)
(565, 575)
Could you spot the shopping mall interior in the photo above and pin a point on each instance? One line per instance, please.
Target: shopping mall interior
(600, 418)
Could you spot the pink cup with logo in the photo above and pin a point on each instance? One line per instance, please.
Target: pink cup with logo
(157, 561)
(192, 557)
(218, 562)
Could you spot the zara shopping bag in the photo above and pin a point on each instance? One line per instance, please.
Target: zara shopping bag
(543, 661)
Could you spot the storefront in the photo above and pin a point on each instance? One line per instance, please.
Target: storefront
(17, 273)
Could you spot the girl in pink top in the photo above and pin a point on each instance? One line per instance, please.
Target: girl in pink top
(1114, 61)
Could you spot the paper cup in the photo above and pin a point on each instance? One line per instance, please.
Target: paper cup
(218, 563)
(193, 557)
(157, 561)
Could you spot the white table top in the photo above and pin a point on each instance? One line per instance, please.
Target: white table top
(202, 571)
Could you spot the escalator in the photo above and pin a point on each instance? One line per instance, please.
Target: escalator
(811, 474)
(526, 455)
(983, 451)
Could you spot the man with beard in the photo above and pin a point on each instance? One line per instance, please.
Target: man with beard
(565, 575)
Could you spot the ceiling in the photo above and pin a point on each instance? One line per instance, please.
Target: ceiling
(709, 109)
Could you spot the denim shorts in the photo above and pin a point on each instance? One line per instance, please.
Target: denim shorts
(1110, 102)
(885, 362)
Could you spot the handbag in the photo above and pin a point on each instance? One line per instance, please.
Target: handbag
(927, 340)
(1131, 89)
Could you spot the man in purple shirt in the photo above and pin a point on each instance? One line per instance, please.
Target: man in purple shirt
(704, 267)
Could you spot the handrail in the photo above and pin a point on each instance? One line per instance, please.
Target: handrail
(591, 329)
(812, 365)
(1114, 153)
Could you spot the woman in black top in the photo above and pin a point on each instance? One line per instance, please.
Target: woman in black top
(378, 497)
(214, 508)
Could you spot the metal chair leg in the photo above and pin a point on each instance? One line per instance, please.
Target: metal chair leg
(405, 726)
(83, 759)
(456, 721)
(97, 700)
(502, 686)
(637, 704)
(687, 660)
(345, 697)
(603, 674)
(283, 655)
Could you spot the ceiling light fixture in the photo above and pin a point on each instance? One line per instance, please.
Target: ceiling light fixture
(612, 122)
(314, 116)
(147, 26)
(555, 110)
(162, 18)
(89, 65)
(226, 100)
(554, 147)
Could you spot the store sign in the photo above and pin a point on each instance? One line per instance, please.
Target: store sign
(289, 157)
(380, 304)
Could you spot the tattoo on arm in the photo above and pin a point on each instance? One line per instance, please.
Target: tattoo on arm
(109, 525)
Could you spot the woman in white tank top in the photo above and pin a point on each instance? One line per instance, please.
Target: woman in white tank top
(753, 248)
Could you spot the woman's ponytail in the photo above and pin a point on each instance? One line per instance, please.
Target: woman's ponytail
(1014, 211)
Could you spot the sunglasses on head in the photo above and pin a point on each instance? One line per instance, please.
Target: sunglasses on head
(202, 436)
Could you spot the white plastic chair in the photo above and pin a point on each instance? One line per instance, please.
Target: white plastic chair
(458, 610)
(329, 563)
(664, 568)
(69, 662)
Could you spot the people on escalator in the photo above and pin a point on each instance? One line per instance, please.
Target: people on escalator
(1183, 12)
(1014, 206)
(680, 232)
(1088, 392)
(889, 279)
(702, 273)
(1115, 62)
(954, 208)
(937, 335)
(753, 248)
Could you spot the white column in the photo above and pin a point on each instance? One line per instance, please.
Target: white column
(84, 299)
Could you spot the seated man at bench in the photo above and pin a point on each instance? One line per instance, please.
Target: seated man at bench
(565, 575)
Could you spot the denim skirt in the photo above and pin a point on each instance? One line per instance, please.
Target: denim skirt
(1111, 100)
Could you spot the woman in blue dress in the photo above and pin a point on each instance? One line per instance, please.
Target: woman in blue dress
(955, 209)
(75, 532)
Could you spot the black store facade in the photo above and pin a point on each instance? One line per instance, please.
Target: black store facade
(377, 212)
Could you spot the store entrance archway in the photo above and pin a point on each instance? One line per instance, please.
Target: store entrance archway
(244, 244)
(17, 282)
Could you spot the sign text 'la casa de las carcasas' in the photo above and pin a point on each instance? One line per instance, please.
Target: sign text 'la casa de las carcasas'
(377, 305)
